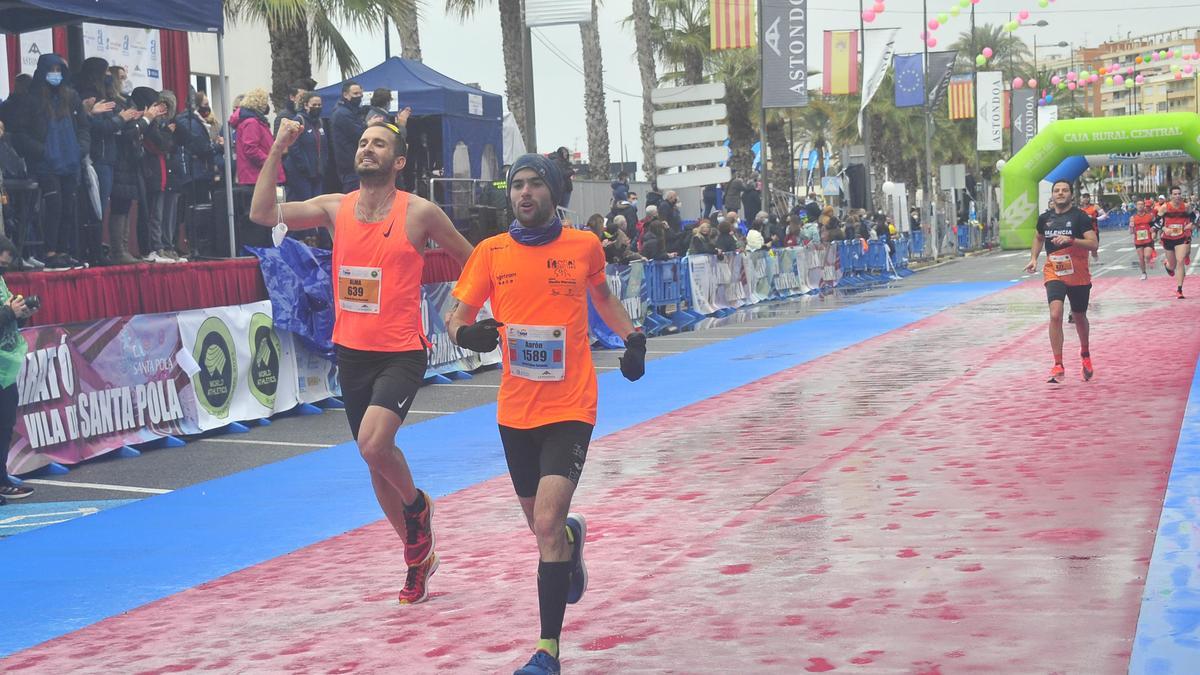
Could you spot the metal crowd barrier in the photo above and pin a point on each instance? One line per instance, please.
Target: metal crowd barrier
(668, 283)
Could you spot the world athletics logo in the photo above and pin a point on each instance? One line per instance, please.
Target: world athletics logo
(214, 383)
(264, 359)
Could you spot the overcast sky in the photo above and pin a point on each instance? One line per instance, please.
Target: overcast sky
(470, 52)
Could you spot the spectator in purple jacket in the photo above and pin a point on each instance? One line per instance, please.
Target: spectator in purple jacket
(254, 139)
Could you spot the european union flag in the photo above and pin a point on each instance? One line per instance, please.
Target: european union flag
(910, 80)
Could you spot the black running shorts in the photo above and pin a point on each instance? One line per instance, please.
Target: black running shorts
(1148, 244)
(386, 379)
(1079, 295)
(557, 449)
(1170, 244)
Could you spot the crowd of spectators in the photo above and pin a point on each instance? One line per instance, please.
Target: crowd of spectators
(659, 232)
(87, 153)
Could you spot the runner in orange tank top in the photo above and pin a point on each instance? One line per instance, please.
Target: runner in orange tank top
(1141, 226)
(379, 236)
(1068, 236)
(538, 277)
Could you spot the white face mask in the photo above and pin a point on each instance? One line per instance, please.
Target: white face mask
(126, 88)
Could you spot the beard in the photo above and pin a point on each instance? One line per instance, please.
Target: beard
(541, 216)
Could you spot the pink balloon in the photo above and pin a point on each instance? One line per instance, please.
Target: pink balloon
(974, 2)
(868, 16)
(924, 35)
(1170, 53)
(1139, 79)
(933, 24)
(1071, 76)
(1017, 83)
(1093, 78)
(1128, 70)
(987, 52)
(1023, 14)
(1118, 80)
(1189, 68)
(878, 8)
(1071, 86)
(1178, 76)
(1154, 56)
(1032, 84)
(932, 42)
(1055, 80)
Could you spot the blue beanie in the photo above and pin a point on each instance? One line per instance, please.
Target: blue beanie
(544, 167)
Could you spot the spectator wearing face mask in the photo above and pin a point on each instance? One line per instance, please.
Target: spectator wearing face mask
(347, 124)
(305, 157)
(194, 166)
(51, 130)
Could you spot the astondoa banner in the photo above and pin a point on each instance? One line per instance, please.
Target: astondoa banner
(237, 364)
(1025, 117)
(784, 53)
(90, 388)
(989, 111)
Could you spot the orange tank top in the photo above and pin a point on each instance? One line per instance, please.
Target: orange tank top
(376, 281)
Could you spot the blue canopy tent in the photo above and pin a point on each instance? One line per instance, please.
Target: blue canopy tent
(204, 16)
(201, 16)
(471, 119)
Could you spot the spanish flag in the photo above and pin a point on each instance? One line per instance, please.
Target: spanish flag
(732, 24)
(841, 62)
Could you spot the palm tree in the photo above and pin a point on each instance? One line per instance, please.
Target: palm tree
(301, 29)
(680, 36)
(738, 69)
(410, 32)
(645, 57)
(594, 101)
(512, 35)
(1009, 52)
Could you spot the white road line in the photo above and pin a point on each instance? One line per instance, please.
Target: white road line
(96, 486)
(677, 351)
(249, 441)
(433, 412)
(680, 337)
(608, 367)
(1008, 255)
(468, 384)
(732, 328)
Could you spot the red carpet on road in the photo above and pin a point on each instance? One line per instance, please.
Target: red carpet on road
(922, 502)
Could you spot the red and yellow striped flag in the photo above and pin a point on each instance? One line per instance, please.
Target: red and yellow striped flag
(732, 24)
(961, 97)
(841, 62)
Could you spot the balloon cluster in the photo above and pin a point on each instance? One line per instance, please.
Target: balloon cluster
(942, 19)
(982, 58)
(869, 15)
(1023, 16)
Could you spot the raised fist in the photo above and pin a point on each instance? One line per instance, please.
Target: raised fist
(289, 131)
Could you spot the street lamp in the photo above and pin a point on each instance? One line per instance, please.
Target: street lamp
(620, 131)
(1062, 43)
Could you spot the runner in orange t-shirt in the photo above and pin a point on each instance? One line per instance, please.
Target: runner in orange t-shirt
(379, 237)
(1141, 226)
(1067, 235)
(538, 277)
(1177, 222)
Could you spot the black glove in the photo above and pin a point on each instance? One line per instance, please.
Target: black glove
(482, 337)
(633, 363)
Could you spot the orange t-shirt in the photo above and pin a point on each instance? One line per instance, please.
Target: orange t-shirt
(376, 281)
(1143, 232)
(540, 295)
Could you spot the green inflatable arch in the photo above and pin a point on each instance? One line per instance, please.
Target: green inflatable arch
(1086, 136)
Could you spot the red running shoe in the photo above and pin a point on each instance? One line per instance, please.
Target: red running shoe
(1088, 371)
(1179, 294)
(418, 544)
(1057, 373)
(416, 583)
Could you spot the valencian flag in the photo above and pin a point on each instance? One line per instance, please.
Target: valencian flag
(841, 62)
(732, 24)
(962, 97)
(909, 80)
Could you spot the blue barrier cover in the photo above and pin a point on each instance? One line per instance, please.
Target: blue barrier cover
(299, 281)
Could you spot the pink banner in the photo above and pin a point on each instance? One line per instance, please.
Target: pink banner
(90, 388)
